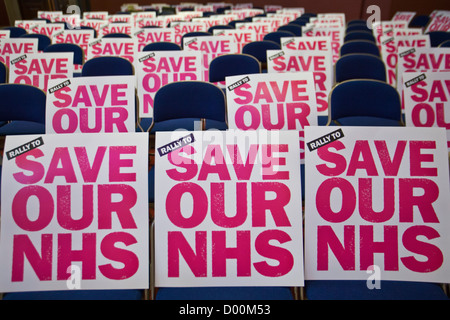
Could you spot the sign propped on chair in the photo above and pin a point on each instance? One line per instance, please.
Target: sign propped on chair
(36, 69)
(319, 62)
(427, 100)
(91, 105)
(156, 69)
(228, 209)
(378, 197)
(75, 213)
(272, 102)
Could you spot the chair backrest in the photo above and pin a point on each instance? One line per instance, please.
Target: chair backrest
(220, 27)
(437, 37)
(276, 36)
(43, 40)
(258, 49)
(419, 21)
(78, 52)
(359, 66)
(357, 27)
(359, 35)
(15, 32)
(445, 44)
(233, 22)
(22, 102)
(161, 46)
(364, 98)
(295, 29)
(3, 73)
(116, 35)
(360, 46)
(231, 65)
(356, 22)
(107, 66)
(189, 99)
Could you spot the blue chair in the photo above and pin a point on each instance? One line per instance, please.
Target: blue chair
(15, 32)
(295, 29)
(356, 22)
(359, 46)
(194, 34)
(180, 104)
(419, 21)
(300, 23)
(78, 52)
(23, 107)
(364, 103)
(359, 66)
(258, 49)
(359, 35)
(220, 27)
(231, 65)
(107, 66)
(161, 46)
(117, 35)
(43, 40)
(3, 73)
(445, 44)
(437, 37)
(233, 22)
(276, 36)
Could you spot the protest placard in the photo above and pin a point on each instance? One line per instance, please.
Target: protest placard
(319, 62)
(11, 46)
(75, 213)
(210, 47)
(336, 35)
(119, 47)
(151, 35)
(272, 102)
(91, 105)
(389, 51)
(155, 69)
(421, 60)
(374, 198)
(228, 209)
(37, 68)
(427, 100)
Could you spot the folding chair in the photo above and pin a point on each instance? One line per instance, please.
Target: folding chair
(357, 27)
(356, 22)
(364, 103)
(219, 27)
(359, 46)
(23, 107)
(359, 66)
